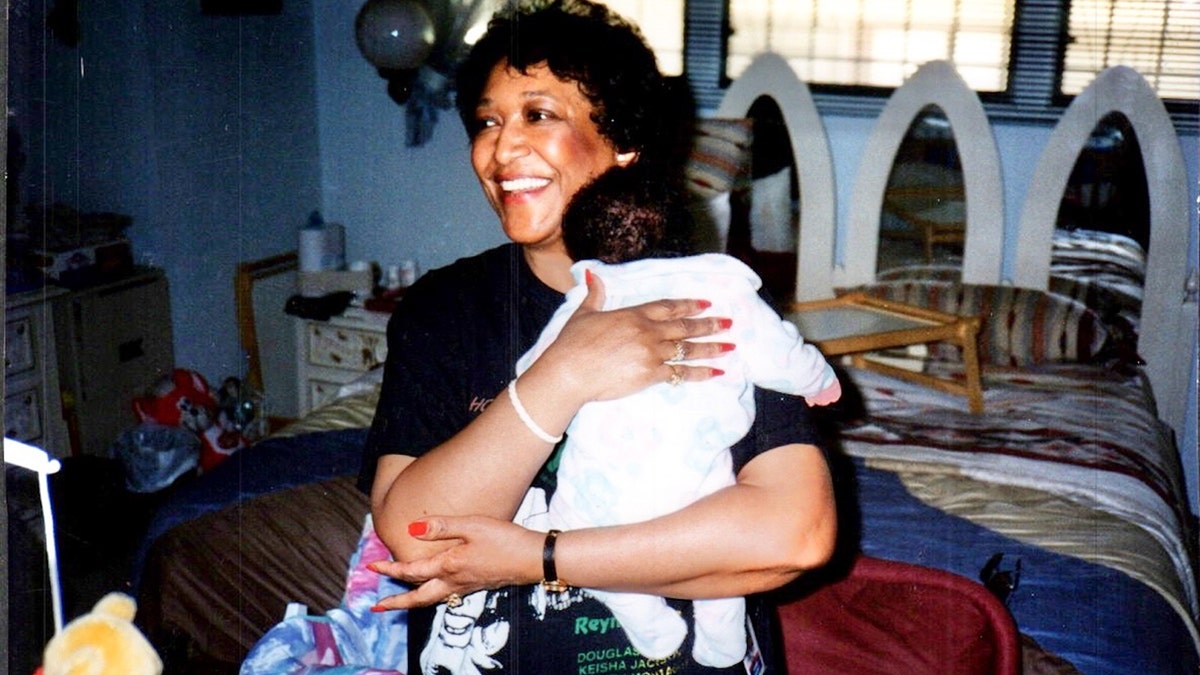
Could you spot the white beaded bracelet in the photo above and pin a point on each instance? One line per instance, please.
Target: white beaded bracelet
(524, 415)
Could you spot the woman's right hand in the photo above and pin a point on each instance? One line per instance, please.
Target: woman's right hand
(601, 355)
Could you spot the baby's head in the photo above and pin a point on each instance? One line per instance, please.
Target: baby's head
(622, 215)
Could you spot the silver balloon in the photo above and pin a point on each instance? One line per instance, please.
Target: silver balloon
(394, 34)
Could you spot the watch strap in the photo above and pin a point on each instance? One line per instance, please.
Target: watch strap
(550, 580)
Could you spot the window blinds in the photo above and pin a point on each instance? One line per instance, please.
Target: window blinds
(1158, 38)
(1025, 57)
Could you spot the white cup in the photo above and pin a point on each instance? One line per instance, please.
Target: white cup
(408, 272)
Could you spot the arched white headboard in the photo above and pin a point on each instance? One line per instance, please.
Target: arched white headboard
(1169, 322)
(770, 75)
(935, 83)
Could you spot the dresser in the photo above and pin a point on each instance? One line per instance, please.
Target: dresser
(335, 352)
(33, 410)
(75, 359)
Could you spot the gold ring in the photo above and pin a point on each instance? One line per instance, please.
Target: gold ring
(675, 378)
(680, 351)
(453, 600)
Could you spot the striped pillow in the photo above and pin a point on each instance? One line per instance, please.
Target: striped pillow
(1020, 326)
(720, 156)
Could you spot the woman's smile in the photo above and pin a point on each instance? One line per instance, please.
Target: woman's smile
(515, 189)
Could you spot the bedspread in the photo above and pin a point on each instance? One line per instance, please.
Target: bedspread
(1086, 436)
(1099, 619)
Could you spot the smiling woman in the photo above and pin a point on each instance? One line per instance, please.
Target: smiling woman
(551, 97)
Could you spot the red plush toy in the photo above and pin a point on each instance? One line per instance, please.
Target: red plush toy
(184, 399)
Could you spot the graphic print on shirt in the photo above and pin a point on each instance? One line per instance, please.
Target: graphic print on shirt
(466, 639)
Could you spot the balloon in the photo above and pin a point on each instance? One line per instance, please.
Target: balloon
(394, 34)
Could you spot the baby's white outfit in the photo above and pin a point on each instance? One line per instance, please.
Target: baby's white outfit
(656, 451)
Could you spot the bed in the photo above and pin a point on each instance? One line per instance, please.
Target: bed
(1076, 528)
(1072, 468)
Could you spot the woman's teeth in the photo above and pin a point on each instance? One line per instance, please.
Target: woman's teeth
(521, 184)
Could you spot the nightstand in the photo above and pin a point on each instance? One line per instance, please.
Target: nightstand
(334, 352)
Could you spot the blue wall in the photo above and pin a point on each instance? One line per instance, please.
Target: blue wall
(396, 202)
(202, 128)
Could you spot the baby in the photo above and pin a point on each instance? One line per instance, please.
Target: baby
(658, 450)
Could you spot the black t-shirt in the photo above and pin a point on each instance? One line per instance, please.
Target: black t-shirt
(453, 344)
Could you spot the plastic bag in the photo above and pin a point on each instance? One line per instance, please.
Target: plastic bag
(155, 455)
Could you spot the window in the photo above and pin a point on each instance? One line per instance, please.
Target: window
(661, 22)
(1025, 57)
(1161, 40)
(874, 43)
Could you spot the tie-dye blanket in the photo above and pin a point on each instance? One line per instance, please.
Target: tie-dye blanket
(347, 640)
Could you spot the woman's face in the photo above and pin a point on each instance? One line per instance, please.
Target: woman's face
(535, 145)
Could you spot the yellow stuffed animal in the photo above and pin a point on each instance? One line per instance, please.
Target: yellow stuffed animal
(102, 642)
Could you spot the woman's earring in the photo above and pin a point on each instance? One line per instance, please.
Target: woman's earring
(625, 158)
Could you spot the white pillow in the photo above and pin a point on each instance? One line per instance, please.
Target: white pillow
(772, 223)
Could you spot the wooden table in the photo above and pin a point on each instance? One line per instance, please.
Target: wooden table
(856, 324)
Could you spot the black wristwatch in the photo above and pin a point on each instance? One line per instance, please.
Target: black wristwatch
(550, 580)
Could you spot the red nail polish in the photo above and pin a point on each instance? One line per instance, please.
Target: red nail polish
(374, 567)
(704, 304)
(728, 346)
(724, 324)
(587, 275)
(717, 372)
(378, 608)
(418, 528)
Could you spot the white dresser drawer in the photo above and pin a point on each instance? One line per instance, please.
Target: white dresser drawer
(22, 415)
(335, 352)
(348, 348)
(19, 354)
(33, 403)
(321, 392)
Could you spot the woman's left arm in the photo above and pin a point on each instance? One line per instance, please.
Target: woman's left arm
(776, 522)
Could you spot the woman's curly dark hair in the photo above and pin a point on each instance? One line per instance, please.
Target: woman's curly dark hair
(586, 43)
(625, 213)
